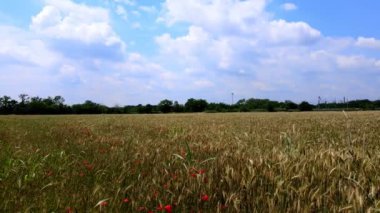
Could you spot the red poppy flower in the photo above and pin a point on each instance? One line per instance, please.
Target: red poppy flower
(141, 208)
(125, 200)
(168, 209)
(201, 172)
(160, 207)
(49, 173)
(205, 180)
(204, 198)
(223, 206)
(104, 203)
(89, 167)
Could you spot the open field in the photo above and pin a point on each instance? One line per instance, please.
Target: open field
(253, 162)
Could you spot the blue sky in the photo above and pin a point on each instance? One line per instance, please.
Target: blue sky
(143, 51)
(338, 17)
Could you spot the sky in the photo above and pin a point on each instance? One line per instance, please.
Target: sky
(122, 52)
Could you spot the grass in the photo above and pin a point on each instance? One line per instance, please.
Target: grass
(249, 162)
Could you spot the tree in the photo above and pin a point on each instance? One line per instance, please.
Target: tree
(178, 107)
(89, 107)
(58, 100)
(270, 107)
(148, 109)
(140, 109)
(24, 98)
(377, 103)
(38, 105)
(196, 105)
(165, 106)
(289, 105)
(305, 106)
(242, 105)
(7, 105)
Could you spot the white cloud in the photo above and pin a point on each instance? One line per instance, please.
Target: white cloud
(120, 10)
(29, 66)
(203, 84)
(377, 63)
(236, 43)
(357, 62)
(281, 31)
(25, 48)
(26, 63)
(368, 42)
(136, 13)
(185, 45)
(136, 25)
(64, 19)
(216, 15)
(238, 18)
(72, 50)
(289, 6)
(127, 2)
(69, 50)
(148, 9)
(258, 85)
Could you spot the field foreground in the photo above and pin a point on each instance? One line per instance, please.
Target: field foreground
(253, 162)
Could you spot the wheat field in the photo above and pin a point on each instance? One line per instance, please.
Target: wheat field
(237, 162)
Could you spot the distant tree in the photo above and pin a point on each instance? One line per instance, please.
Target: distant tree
(261, 104)
(148, 109)
(196, 105)
(61, 107)
(140, 109)
(38, 105)
(58, 100)
(89, 107)
(55, 105)
(165, 106)
(7, 105)
(24, 98)
(377, 104)
(218, 107)
(178, 107)
(270, 107)
(363, 104)
(305, 106)
(22, 107)
(130, 109)
(289, 105)
(116, 109)
(49, 101)
(241, 102)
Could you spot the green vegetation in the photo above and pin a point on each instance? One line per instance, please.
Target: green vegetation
(55, 105)
(247, 162)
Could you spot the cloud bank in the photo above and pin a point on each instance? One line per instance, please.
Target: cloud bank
(73, 49)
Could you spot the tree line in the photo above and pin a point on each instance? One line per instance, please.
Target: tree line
(56, 105)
